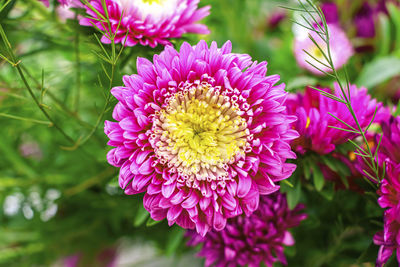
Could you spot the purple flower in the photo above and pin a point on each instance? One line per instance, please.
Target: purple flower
(64, 9)
(330, 11)
(203, 133)
(389, 238)
(390, 144)
(312, 110)
(252, 240)
(45, 2)
(65, 3)
(365, 21)
(366, 16)
(276, 18)
(340, 46)
(31, 149)
(147, 22)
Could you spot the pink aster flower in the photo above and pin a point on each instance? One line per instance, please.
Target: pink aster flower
(148, 22)
(203, 133)
(252, 240)
(340, 46)
(390, 144)
(312, 110)
(389, 238)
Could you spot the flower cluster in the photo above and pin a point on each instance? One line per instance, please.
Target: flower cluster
(389, 238)
(314, 120)
(365, 16)
(147, 22)
(203, 132)
(389, 191)
(252, 240)
(390, 144)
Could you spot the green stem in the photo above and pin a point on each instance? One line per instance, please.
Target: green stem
(16, 64)
(60, 103)
(24, 119)
(78, 72)
(328, 56)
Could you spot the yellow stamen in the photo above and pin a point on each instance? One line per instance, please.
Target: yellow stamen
(150, 2)
(352, 156)
(308, 122)
(317, 53)
(371, 144)
(199, 132)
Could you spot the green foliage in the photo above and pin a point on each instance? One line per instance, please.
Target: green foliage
(377, 71)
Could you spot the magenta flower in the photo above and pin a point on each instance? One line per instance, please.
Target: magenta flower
(45, 2)
(390, 145)
(65, 8)
(65, 3)
(389, 238)
(330, 11)
(147, 22)
(203, 133)
(71, 3)
(366, 17)
(340, 46)
(252, 240)
(312, 110)
(365, 21)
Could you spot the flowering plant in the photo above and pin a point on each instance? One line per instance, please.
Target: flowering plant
(154, 132)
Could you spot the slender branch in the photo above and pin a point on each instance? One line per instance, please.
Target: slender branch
(323, 33)
(6, 115)
(112, 60)
(60, 103)
(16, 63)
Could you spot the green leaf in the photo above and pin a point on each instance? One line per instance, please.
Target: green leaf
(339, 167)
(394, 13)
(331, 163)
(175, 238)
(150, 222)
(329, 191)
(293, 195)
(369, 255)
(141, 215)
(379, 71)
(318, 177)
(384, 34)
(307, 169)
(300, 82)
(290, 251)
(397, 111)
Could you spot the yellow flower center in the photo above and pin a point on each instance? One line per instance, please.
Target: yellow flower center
(199, 133)
(150, 2)
(316, 52)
